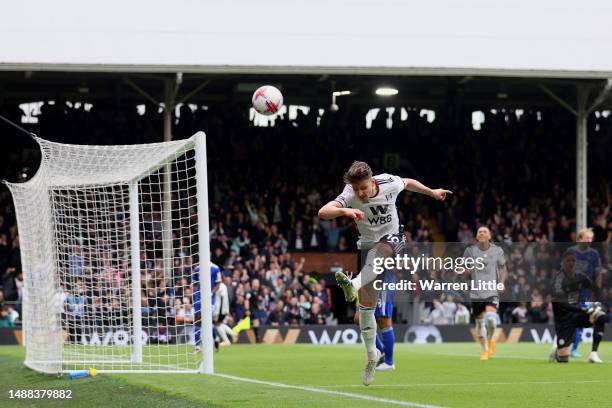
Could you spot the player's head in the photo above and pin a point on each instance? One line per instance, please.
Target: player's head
(483, 235)
(568, 262)
(360, 177)
(585, 237)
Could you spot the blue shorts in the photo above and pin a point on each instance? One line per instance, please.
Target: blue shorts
(384, 305)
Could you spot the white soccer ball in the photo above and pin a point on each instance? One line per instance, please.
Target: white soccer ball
(267, 100)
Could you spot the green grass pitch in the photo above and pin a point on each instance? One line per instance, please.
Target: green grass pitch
(443, 375)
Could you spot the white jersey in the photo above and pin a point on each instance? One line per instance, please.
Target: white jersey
(221, 306)
(380, 211)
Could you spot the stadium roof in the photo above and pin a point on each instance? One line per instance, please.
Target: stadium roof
(309, 90)
(562, 39)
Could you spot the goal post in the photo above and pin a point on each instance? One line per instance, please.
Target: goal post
(96, 251)
(207, 366)
(135, 263)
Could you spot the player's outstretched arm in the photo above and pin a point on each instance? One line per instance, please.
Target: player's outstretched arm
(334, 209)
(418, 187)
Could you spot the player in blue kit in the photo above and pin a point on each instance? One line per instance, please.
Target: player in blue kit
(588, 263)
(215, 283)
(385, 341)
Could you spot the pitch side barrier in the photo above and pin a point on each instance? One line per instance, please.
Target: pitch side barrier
(416, 334)
(349, 334)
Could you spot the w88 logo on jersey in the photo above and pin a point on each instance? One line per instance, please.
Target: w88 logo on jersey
(380, 215)
(380, 220)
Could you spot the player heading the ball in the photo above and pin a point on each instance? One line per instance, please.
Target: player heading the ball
(370, 201)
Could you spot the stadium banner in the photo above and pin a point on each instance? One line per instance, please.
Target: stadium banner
(416, 334)
(321, 335)
(10, 337)
(122, 336)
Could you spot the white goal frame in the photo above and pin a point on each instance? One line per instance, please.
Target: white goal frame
(42, 331)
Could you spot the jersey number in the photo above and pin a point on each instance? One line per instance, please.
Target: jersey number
(392, 238)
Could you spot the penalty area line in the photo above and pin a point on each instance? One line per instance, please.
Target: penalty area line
(328, 392)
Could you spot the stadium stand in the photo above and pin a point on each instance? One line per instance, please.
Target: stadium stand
(267, 184)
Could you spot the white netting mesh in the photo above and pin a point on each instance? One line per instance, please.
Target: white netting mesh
(75, 220)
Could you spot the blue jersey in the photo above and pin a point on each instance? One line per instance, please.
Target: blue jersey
(215, 277)
(587, 263)
(384, 305)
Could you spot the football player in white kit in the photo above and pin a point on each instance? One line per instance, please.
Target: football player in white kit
(370, 201)
(486, 302)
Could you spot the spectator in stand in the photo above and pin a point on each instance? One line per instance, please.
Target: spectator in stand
(462, 315)
(465, 235)
(519, 314)
(8, 315)
(298, 239)
(449, 307)
(293, 315)
(260, 317)
(277, 315)
(240, 308)
(321, 292)
(316, 315)
(332, 233)
(435, 315)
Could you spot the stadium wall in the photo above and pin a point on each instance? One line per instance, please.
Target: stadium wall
(322, 262)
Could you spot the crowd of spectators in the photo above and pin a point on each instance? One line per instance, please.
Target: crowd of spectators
(11, 281)
(516, 175)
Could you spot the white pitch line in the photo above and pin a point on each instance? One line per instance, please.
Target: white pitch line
(328, 392)
(467, 384)
(545, 358)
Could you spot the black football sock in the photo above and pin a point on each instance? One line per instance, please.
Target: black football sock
(598, 331)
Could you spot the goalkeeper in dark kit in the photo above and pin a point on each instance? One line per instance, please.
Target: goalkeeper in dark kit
(569, 314)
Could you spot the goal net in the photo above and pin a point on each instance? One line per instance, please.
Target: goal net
(110, 240)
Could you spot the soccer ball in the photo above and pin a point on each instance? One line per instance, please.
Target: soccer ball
(267, 100)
